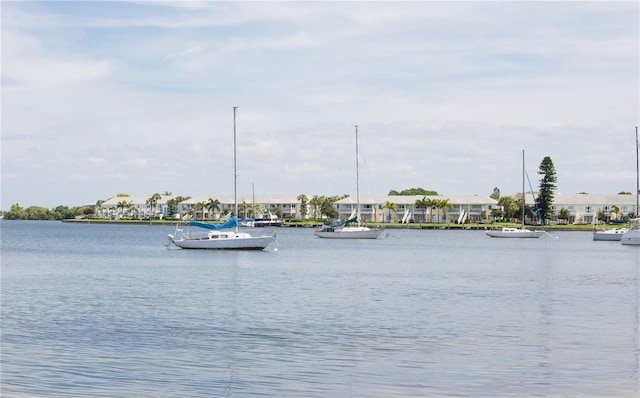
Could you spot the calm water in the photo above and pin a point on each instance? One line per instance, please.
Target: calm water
(108, 311)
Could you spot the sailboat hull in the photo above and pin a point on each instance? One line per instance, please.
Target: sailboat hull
(224, 241)
(514, 233)
(632, 236)
(609, 235)
(349, 233)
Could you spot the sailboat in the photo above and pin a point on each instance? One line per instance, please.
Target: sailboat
(351, 228)
(612, 234)
(222, 236)
(632, 236)
(522, 232)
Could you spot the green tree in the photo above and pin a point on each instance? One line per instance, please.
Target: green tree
(64, 212)
(602, 216)
(153, 202)
(442, 204)
(200, 206)
(15, 213)
(327, 208)
(412, 192)
(423, 204)
(123, 204)
(99, 208)
(564, 214)
(547, 187)
(38, 213)
(496, 194)
(172, 204)
(303, 204)
(213, 205)
(390, 206)
(616, 211)
(132, 211)
(316, 203)
(497, 213)
(509, 207)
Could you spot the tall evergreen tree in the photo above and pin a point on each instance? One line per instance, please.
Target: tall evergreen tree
(496, 194)
(547, 187)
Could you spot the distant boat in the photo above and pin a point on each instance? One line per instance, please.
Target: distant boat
(632, 236)
(522, 232)
(343, 229)
(270, 220)
(604, 234)
(613, 234)
(222, 236)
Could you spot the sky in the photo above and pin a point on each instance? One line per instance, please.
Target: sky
(136, 97)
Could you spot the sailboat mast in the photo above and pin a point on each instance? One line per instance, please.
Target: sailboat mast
(637, 175)
(357, 179)
(523, 198)
(235, 173)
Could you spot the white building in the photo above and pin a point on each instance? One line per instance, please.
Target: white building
(373, 209)
(286, 206)
(132, 206)
(583, 208)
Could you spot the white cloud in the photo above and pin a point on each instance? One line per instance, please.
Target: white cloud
(136, 96)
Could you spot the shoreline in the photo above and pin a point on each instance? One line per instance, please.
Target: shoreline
(416, 226)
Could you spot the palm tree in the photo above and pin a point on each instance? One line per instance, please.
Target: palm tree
(132, 209)
(303, 204)
(442, 204)
(615, 210)
(316, 203)
(243, 208)
(153, 201)
(122, 205)
(213, 205)
(433, 204)
(200, 206)
(99, 208)
(423, 204)
(391, 207)
(256, 209)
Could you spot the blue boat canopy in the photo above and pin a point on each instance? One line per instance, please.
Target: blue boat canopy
(231, 223)
(338, 224)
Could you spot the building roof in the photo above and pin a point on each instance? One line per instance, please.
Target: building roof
(135, 200)
(588, 199)
(259, 199)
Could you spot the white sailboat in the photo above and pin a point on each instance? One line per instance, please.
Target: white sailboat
(613, 234)
(522, 232)
(345, 229)
(632, 236)
(225, 236)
